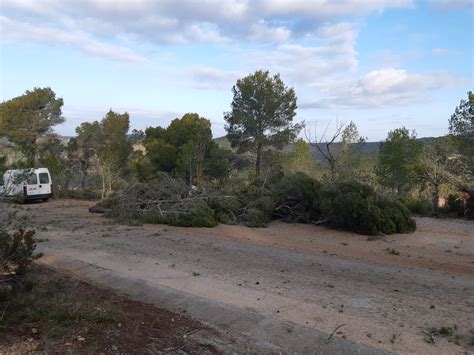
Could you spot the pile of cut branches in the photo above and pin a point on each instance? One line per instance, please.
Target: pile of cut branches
(291, 198)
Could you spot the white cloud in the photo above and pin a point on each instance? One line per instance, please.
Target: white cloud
(212, 78)
(451, 4)
(330, 8)
(169, 21)
(25, 31)
(382, 87)
(439, 52)
(261, 32)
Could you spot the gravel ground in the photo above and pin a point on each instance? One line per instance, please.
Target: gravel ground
(387, 292)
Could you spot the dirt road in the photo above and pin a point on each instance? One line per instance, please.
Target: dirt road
(386, 293)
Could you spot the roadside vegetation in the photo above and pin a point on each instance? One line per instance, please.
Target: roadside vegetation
(260, 171)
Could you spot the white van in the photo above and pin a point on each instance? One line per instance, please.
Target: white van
(33, 184)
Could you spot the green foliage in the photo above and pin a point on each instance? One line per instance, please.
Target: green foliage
(254, 217)
(186, 213)
(25, 118)
(300, 159)
(397, 160)
(164, 200)
(218, 162)
(356, 207)
(3, 167)
(461, 127)
(440, 167)
(227, 209)
(105, 146)
(114, 147)
(461, 122)
(418, 206)
(455, 205)
(292, 198)
(261, 115)
(184, 149)
(16, 252)
(297, 198)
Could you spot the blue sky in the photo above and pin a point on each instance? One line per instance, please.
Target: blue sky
(380, 63)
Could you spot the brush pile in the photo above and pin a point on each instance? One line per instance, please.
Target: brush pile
(291, 198)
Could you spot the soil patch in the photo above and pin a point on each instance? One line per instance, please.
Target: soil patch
(54, 312)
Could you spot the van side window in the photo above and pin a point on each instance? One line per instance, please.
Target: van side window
(32, 179)
(44, 178)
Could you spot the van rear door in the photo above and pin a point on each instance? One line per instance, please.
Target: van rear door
(32, 186)
(44, 183)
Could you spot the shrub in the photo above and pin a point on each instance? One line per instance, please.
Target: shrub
(418, 206)
(16, 251)
(253, 217)
(455, 205)
(258, 212)
(188, 213)
(356, 207)
(297, 198)
(227, 208)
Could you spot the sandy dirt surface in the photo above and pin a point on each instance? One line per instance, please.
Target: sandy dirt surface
(386, 292)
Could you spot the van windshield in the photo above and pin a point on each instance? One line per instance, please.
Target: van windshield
(44, 178)
(32, 179)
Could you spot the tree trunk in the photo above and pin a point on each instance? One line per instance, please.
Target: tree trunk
(332, 164)
(436, 200)
(259, 158)
(83, 178)
(102, 175)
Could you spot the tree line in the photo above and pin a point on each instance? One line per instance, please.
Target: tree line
(104, 155)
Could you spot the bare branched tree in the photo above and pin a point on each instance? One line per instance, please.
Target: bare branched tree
(325, 145)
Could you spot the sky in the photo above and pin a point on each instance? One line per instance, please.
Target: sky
(380, 63)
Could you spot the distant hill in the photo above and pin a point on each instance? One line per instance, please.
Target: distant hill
(365, 148)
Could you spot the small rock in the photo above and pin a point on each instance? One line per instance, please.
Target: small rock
(119, 325)
(369, 335)
(34, 330)
(79, 338)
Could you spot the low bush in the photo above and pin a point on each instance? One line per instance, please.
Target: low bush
(357, 207)
(187, 213)
(16, 251)
(455, 205)
(418, 206)
(227, 208)
(297, 198)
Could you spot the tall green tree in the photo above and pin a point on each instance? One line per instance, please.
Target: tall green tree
(25, 118)
(192, 136)
(83, 148)
(461, 127)
(461, 123)
(261, 115)
(439, 165)
(397, 160)
(114, 149)
(185, 148)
